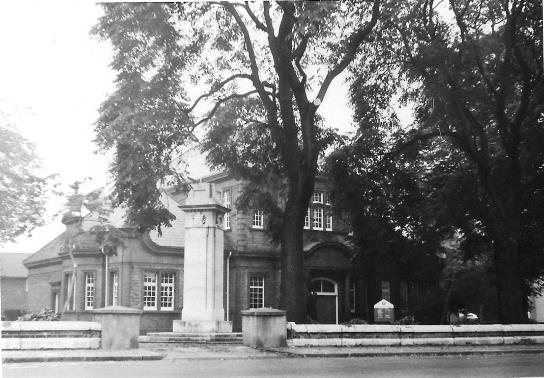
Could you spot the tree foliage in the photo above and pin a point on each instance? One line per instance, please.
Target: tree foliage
(22, 192)
(473, 71)
(266, 68)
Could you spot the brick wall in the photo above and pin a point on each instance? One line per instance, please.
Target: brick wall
(40, 281)
(14, 296)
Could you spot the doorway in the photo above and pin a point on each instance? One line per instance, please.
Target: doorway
(326, 300)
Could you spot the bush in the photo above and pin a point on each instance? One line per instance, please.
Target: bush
(355, 321)
(12, 314)
(45, 314)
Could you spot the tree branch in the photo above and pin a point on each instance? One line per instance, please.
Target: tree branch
(353, 44)
(258, 22)
(222, 101)
(216, 87)
(263, 94)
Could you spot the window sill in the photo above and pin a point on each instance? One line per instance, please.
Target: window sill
(162, 312)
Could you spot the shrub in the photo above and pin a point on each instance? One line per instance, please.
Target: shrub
(45, 314)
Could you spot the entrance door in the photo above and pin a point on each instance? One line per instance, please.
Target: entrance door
(326, 300)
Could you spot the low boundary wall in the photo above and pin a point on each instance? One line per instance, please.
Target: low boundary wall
(50, 335)
(402, 335)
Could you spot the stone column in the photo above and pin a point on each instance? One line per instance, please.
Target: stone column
(203, 263)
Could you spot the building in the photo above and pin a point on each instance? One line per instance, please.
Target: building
(147, 270)
(13, 275)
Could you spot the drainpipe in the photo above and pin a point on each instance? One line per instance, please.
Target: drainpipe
(106, 283)
(105, 276)
(228, 284)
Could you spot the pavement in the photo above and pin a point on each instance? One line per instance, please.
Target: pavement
(158, 351)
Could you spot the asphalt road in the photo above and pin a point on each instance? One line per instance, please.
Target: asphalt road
(510, 365)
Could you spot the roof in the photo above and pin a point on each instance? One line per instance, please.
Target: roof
(11, 264)
(49, 251)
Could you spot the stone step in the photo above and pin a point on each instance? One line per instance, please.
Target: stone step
(189, 334)
(192, 338)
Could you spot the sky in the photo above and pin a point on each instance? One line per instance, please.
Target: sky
(53, 77)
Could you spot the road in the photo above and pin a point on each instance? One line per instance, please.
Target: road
(508, 365)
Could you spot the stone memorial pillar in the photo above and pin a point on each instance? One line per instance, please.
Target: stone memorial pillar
(203, 263)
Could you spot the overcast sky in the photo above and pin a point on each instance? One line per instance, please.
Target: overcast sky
(53, 77)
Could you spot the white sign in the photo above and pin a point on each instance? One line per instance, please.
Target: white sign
(383, 304)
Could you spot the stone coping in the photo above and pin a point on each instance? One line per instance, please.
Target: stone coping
(414, 329)
(265, 311)
(118, 310)
(18, 326)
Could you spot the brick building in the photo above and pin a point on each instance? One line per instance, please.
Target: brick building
(13, 276)
(147, 270)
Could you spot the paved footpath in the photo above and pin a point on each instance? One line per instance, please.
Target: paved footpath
(232, 352)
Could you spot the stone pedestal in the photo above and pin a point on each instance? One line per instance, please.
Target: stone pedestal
(264, 327)
(203, 263)
(120, 326)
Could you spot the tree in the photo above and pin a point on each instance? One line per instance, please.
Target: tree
(107, 237)
(22, 192)
(260, 61)
(476, 79)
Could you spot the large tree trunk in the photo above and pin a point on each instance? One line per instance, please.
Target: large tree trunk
(293, 290)
(511, 296)
(293, 282)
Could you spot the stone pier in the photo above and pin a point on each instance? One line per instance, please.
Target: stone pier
(203, 264)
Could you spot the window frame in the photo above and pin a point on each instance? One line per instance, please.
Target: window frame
(308, 219)
(114, 279)
(328, 221)
(257, 222)
(144, 306)
(251, 276)
(89, 287)
(227, 202)
(172, 286)
(159, 274)
(317, 221)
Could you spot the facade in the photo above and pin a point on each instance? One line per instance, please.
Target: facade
(13, 275)
(147, 270)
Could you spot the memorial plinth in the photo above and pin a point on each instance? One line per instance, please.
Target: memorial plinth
(120, 326)
(203, 264)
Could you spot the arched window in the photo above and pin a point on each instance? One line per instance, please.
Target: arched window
(324, 286)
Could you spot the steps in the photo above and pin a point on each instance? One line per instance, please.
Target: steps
(192, 338)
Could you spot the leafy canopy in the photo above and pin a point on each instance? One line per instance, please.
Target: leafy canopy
(22, 192)
(256, 65)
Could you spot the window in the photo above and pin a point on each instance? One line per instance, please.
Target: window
(69, 293)
(324, 285)
(319, 215)
(227, 201)
(386, 290)
(256, 291)
(307, 219)
(89, 291)
(115, 288)
(150, 291)
(328, 222)
(258, 219)
(159, 297)
(55, 301)
(167, 291)
(317, 197)
(318, 218)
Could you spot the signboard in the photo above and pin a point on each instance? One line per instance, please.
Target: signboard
(384, 312)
